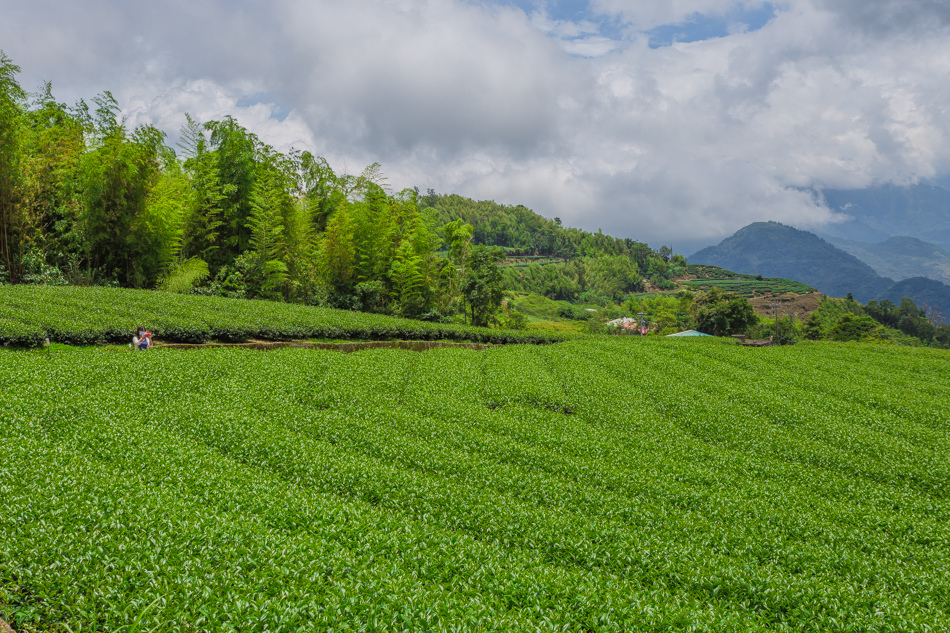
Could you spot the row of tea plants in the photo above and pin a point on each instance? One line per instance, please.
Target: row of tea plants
(593, 485)
(80, 316)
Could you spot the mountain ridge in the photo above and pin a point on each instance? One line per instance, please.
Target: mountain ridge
(899, 257)
(777, 250)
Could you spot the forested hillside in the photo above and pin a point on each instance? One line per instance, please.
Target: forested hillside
(926, 292)
(559, 262)
(776, 250)
(522, 231)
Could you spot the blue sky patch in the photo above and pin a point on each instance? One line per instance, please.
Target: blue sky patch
(568, 10)
(705, 27)
(698, 27)
(279, 112)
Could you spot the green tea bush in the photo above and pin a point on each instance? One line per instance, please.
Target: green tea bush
(81, 316)
(746, 285)
(20, 334)
(602, 484)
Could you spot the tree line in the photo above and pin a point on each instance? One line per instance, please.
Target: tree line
(848, 320)
(85, 200)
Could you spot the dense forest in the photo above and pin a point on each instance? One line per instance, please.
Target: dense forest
(84, 200)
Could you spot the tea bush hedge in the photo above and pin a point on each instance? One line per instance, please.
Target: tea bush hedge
(602, 484)
(80, 316)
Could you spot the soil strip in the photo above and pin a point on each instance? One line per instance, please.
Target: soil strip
(415, 346)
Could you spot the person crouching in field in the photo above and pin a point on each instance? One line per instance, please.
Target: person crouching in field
(142, 339)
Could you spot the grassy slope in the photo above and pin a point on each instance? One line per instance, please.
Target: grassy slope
(600, 484)
(545, 315)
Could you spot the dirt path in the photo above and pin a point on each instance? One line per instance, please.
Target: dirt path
(416, 346)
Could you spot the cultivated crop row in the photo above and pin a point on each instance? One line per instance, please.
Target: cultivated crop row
(593, 485)
(750, 287)
(30, 314)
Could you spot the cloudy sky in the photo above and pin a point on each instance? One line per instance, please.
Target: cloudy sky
(669, 121)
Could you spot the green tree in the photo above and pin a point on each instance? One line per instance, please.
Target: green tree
(723, 313)
(203, 219)
(235, 151)
(855, 328)
(11, 121)
(117, 176)
(412, 268)
(814, 327)
(458, 236)
(322, 189)
(268, 272)
(52, 148)
(375, 233)
(167, 207)
(408, 280)
(482, 286)
(338, 252)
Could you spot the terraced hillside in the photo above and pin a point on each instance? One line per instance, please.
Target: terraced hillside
(603, 484)
(749, 286)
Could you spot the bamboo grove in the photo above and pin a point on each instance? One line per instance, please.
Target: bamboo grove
(84, 200)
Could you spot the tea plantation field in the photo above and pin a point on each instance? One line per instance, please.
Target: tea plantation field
(600, 484)
(744, 285)
(82, 316)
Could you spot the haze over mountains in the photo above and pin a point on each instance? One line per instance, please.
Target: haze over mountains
(879, 213)
(776, 250)
(899, 257)
(901, 232)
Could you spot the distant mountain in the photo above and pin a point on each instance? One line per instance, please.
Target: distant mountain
(878, 213)
(775, 250)
(899, 257)
(923, 291)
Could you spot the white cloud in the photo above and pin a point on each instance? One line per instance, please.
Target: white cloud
(682, 143)
(204, 100)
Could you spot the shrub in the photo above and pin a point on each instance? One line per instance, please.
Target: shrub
(855, 328)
